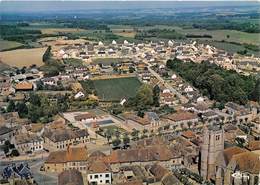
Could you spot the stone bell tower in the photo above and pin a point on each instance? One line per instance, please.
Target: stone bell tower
(212, 147)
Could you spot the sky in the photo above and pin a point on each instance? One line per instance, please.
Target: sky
(64, 5)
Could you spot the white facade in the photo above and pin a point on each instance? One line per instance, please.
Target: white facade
(99, 178)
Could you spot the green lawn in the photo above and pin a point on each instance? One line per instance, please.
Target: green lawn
(117, 88)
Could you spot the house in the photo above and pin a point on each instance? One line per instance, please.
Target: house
(240, 113)
(240, 167)
(163, 175)
(85, 118)
(5, 134)
(80, 94)
(98, 173)
(166, 98)
(210, 117)
(49, 81)
(17, 171)
(140, 156)
(24, 86)
(59, 139)
(139, 123)
(25, 143)
(70, 177)
(153, 118)
(72, 158)
(182, 119)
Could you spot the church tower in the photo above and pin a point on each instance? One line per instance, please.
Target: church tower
(212, 146)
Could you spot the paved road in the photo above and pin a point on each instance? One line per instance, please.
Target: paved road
(168, 86)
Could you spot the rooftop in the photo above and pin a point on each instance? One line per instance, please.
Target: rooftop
(181, 116)
(69, 155)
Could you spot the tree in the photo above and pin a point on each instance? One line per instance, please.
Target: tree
(156, 95)
(11, 106)
(140, 113)
(228, 36)
(256, 91)
(189, 124)
(131, 69)
(135, 134)
(240, 142)
(35, 99)
(15, 153)
(108, 135)
(145, 95)
(116, 142)
(47, 54)
(22, 109)
(126, 140)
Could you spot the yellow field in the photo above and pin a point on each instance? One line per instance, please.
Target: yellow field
(23, 57)
(60, 30)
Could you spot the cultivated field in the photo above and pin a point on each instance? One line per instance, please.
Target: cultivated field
(23, 57)
(234, 36)
(117, 88)
(60, 30)
(6, 45)
(124, 32)
(217, 35)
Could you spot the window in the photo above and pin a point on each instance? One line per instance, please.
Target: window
(90, 176)
(100, 175)
(107, 175)
(96, 176)
(107, 182)
(217, 137)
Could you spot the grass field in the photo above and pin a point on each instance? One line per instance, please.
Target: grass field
(117, 88)
(23, 57)
(229, 47)
(129, 33)
(6, 45)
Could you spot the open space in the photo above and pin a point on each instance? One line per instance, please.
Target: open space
(23, 57)
(117, 88)
(111, 129)
(7, 45)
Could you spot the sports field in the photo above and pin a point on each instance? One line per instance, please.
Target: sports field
(117, 88)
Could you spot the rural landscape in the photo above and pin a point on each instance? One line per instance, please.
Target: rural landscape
(129, 93)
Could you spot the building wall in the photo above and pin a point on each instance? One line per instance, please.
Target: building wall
(99, 178)
(213, 146)
(54, 167)
(54, 146)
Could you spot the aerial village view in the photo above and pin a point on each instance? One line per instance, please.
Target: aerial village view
(129, 93)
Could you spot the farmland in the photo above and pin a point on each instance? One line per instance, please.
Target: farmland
(23, 57)
(217, 35)
(8, 45)
(117, 88)
(60, 30)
